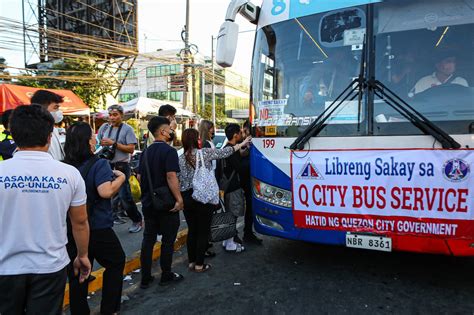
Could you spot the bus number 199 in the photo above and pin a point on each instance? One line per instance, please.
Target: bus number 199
(268, 143)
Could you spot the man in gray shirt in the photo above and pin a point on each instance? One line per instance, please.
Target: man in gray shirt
(120, 137)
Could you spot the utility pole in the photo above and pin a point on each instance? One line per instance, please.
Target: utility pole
(203, 91)
(213, 83)
(186, 58)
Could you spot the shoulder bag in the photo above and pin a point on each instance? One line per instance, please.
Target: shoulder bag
(205, 188)
(162, 198)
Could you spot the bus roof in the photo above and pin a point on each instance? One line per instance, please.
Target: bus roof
(277, 11)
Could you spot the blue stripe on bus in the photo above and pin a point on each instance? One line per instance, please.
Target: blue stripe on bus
(264, 170)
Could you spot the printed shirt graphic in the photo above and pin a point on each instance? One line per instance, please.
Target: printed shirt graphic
(35, 195)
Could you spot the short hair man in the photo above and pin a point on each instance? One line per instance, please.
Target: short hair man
(7, 144)
(169, 112)
(36, 195)
(121, 138)
(444, 74)
(230, 165)
(52, 102)
(163, 164)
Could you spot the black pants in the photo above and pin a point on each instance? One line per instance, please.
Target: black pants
(166, 224)
(248, 228)
(125, 194)
(32, 293)
(198, 217)
(105, 247)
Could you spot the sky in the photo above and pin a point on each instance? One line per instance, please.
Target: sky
(161, 21)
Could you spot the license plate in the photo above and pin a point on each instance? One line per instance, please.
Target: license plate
(369, 242)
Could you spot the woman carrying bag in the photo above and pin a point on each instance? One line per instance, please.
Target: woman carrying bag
(104, 246)
(192, 163)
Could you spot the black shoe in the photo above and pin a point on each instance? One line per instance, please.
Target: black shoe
(252, 238)
(146, 284)
(170, 278)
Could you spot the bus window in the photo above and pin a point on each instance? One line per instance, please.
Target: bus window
(424, 54)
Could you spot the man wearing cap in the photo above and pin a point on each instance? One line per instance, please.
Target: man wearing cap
(120, 138)
(444, 74)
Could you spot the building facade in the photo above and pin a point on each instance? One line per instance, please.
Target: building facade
(160, 75)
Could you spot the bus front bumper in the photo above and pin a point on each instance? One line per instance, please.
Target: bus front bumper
(278, 221)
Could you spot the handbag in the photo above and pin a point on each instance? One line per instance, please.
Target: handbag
(223, 224)
(161, 197)
(205, 188)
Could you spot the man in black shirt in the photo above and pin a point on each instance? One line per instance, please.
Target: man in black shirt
(233, 164)
(163, 164)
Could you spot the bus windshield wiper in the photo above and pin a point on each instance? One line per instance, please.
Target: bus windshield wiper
(412, 115)
(391, 98)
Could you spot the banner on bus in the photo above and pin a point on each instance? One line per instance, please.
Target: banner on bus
(420, 192)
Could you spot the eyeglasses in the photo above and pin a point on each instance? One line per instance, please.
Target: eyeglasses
(116, 107)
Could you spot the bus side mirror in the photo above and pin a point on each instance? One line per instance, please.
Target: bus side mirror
(227, 43)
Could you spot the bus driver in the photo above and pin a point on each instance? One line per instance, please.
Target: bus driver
(444, 74)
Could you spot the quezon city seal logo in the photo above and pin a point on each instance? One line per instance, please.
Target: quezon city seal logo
(456, 170)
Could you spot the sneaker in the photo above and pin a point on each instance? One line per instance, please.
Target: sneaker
(252, 238)
(146, 284)
(172, 278)
(135, 228)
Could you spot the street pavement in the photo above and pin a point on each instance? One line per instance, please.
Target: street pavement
(287, 277)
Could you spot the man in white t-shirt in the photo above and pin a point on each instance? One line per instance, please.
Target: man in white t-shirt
(444, 74)
(36, 195)
(52, 102)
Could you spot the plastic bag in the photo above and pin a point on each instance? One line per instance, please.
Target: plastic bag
(135, 188)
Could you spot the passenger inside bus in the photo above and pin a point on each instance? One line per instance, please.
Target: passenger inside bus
(445, 73)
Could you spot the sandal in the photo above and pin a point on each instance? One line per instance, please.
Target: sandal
(205, 267)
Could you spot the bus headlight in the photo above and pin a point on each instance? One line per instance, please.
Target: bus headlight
(272, 194)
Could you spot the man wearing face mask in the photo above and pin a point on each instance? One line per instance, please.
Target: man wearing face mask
(169, 112)
(121, 139)
(52, 102)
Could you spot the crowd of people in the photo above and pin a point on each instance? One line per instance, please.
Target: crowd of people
(58, 203)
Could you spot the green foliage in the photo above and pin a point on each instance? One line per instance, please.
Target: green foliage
(206, 113)
(85, 77)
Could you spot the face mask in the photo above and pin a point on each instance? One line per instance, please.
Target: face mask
(213, 136)
(58, 116)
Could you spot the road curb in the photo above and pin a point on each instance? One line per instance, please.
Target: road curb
(132, 263)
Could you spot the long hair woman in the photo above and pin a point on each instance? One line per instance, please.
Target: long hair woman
(101, 184)
(198, 215)
(206, 133)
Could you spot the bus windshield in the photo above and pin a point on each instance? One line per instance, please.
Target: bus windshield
(423, 53)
